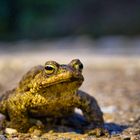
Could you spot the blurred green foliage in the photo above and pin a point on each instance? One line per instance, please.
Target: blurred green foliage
(36, 19)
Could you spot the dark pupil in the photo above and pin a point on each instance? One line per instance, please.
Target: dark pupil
(49, 68)
(81, 66)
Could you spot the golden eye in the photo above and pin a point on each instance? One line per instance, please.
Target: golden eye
(50, 69)
(78, 66)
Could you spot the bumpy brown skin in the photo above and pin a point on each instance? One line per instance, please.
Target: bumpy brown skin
(50, 91)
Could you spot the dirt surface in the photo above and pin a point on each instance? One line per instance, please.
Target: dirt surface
(113, 80)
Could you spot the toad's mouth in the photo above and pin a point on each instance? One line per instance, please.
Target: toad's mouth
(66, 81)
(70, 81)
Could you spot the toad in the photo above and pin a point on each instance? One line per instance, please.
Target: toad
(50, 90)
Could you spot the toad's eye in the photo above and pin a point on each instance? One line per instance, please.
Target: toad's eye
(79, 66)
(50, 69)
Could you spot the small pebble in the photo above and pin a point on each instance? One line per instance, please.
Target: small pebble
(126, 138)
(109, 109)
(2, 117)
(2, 137)
(39, 123)
(108, 117)
(10, 131)
(51, 131)
(133, 138)
(131, 119)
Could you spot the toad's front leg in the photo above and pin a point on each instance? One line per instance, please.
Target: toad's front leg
(90, 108)
(91, 112)
(18, 115)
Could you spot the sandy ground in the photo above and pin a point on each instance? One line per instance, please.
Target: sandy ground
(114, 80)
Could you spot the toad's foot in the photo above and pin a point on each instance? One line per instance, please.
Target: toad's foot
(98, 132)
(96, 129)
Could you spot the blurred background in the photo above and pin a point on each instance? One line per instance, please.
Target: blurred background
(24, 19)
(105, 26)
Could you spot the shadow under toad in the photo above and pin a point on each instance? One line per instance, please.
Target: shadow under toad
(114, 128)
(76, 123)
